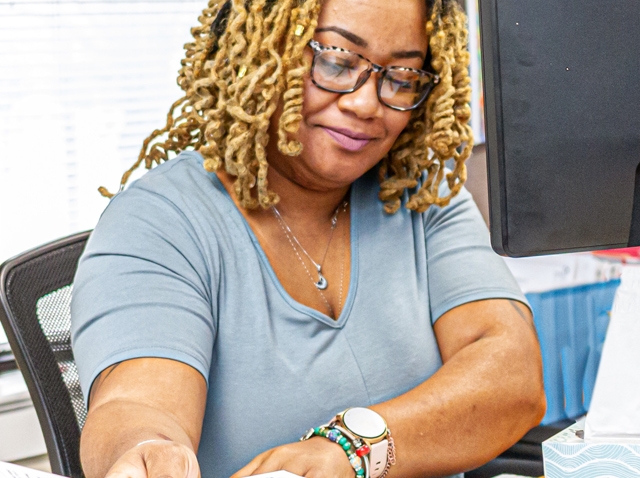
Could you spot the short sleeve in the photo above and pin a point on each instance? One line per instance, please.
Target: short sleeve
(462, 266)
(142, 289)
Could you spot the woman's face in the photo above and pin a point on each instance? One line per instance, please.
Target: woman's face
(345, 135)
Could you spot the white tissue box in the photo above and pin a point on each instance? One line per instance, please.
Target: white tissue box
(566, 455)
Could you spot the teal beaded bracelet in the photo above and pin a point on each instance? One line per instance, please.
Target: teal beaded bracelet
(359, 464)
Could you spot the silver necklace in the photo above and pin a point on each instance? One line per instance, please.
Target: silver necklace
(321, 283)
(291, 238)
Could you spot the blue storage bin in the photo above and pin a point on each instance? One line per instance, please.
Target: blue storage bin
(571, 325)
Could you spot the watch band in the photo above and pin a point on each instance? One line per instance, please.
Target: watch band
(378, 458)
(378, 445)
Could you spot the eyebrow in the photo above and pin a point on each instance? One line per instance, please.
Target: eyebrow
(361, 42)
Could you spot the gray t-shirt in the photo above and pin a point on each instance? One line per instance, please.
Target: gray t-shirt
(173, 270)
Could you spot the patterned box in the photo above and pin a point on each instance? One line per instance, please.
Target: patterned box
(566, 455)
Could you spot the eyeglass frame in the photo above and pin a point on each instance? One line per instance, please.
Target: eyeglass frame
(318, 48)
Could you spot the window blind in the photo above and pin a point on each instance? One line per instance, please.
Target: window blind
(82, 83)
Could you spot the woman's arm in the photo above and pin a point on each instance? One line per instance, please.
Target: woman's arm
(139, 400)
(486, 396)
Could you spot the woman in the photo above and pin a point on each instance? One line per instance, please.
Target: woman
(310, 266)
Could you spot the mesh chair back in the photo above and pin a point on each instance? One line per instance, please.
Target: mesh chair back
(35, 297)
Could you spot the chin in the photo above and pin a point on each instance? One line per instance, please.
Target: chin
(341, 170)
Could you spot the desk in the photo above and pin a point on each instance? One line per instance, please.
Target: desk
(20, 435)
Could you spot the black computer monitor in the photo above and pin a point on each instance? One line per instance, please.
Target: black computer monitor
(562, 112)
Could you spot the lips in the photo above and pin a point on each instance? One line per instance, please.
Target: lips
(349, 140)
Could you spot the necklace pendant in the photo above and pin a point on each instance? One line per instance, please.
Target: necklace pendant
(322, 283)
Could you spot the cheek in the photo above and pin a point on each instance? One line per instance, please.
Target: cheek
(314, 99)
(396, 122)
(399, 120)
(307, 97)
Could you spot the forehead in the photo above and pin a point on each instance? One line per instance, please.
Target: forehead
(386, 25)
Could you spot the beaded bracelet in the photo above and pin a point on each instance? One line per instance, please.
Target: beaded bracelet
(362, 449)
(360, 464)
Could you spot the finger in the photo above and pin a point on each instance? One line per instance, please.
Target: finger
(251, 467)
(129, 466)
(170, 459)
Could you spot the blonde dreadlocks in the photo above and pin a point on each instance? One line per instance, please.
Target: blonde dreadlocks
(247, 56)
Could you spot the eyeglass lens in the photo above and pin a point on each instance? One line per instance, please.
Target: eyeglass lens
(343, 71)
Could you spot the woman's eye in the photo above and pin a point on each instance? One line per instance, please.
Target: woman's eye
(402, 86)
(335, 66)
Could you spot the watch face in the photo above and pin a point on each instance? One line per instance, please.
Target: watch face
(364, 422)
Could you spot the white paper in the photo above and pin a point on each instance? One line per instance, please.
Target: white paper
(546, 273)
(277, 474)
(614, 415)
(9, 470)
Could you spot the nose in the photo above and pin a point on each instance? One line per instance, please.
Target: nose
(363, 102)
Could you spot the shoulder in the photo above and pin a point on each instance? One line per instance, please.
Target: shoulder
(462, 211)
(183, 176)
(177, 205)
(462, 206)
(177, 189)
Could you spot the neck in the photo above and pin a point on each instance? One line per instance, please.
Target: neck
(302, 203)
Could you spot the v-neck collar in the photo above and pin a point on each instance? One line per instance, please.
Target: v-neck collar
(353, 282)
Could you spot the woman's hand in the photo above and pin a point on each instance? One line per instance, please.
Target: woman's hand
(313, 458)
(155, 459)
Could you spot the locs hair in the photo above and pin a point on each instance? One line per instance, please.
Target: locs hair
(247, 56)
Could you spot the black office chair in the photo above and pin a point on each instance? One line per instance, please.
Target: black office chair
(35, 295)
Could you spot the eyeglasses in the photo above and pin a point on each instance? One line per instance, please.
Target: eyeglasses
(342, 71)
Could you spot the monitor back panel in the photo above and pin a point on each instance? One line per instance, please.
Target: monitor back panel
(562, 104)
